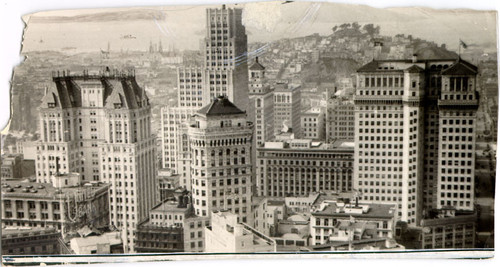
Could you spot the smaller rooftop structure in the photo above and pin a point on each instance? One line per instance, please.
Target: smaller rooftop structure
(341, 209)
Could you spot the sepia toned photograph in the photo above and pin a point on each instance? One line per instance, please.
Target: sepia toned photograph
(257, 129)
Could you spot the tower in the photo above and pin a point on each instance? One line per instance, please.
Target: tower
(260, 109)
(220, 138)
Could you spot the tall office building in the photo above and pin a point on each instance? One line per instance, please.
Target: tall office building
(175, 149)
(339, 117)
(225, 63)
(99, 125)
(220, 138)
(261, 107)
(224, 73)
(226, 56)
(287, 108)
(415, 134)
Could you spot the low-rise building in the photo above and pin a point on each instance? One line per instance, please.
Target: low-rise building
(32, 241)
(227, 235)
(301, 204)
(64, 204)
(293, 233)
(106, 243)
(172, 227)
(267, 214)
(336, 221)
(443, 229)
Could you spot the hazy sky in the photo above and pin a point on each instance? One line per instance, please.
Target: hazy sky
(184, 26)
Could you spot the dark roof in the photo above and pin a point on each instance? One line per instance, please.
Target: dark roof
(220, 106)
(462, 67)
(371, 66)
(67, 92)
(256, 65)
(414, 69)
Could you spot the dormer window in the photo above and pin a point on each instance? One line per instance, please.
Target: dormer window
(118, 105)
(51, 105)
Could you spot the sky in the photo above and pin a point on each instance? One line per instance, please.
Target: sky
(183, 27)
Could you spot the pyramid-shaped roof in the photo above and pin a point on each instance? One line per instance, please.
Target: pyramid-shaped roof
(414, 69)
(371, 66)
(220, 106)
(461, 67)
(256, 65)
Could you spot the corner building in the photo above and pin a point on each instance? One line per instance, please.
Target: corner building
(220, 139)
(415, 134)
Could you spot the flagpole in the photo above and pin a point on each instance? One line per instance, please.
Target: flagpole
(459, 46)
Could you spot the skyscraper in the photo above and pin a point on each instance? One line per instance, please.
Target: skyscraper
(99, 125)
(225, 63)
(224, 73)
(415, 134)
(220, 138)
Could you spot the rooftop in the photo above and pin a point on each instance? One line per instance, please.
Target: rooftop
(339, 209)
(256, 65)
(118, 88)
(46, 190)
(11, 232)
(220, 106)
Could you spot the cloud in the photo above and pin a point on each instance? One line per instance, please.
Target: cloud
(127, 15)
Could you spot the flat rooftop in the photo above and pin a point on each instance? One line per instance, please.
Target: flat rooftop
(17, 189)
(336, 209)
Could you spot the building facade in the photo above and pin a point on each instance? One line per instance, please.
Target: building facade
(99, 125)
(415, 134)
(220, 138)
(300, 167)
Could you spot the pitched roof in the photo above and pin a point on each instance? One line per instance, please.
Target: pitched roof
(414, 69)
(256, 65)
(67, 91)
(220, 106)
(461, 67)
(371, 66)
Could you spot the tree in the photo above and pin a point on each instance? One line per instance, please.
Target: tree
(371, 29)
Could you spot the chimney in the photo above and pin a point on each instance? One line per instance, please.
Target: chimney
(223, 6)
(414, 58)
(256, 59)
